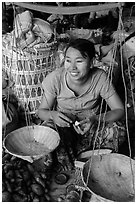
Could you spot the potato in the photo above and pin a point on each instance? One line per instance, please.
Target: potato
(19, 181)
(9, 175)
(28, 183)
(30, 168)
(8, 186)
(22, 192)
(17, 188)
(6, 196)
(40, 181)
(13, 158)
(26, 175)
(6, 158)
(7, 167)
(3, 187)
(19, 198)
(36, 199)
(32, 195)
(48, 198)
(43, 175)
(38, 189)
(42, 199)
(18, 174)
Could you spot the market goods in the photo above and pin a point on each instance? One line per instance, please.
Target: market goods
(20, 181)
(6, 196)
(42, 28)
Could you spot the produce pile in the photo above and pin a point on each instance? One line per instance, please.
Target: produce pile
(21, 182)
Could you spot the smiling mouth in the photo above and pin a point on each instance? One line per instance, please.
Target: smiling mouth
(74, 73)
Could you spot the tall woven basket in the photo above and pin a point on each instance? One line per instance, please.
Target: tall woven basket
(27, 69)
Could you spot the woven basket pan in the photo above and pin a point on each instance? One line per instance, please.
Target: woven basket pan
(110, 176)
(31, 141)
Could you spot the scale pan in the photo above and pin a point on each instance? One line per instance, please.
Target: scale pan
(110, 177)
(31, 142)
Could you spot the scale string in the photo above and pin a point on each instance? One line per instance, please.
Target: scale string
(90, 162)
(126, 114)
(99, 120)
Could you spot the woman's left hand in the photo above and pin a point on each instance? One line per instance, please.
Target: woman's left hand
(85, 125)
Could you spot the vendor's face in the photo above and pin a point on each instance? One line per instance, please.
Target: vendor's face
(76, 65)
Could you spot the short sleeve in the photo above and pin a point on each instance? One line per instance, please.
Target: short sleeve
(106, 89)
(50, 84)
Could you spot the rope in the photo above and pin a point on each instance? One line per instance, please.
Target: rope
(112, 65)
(27, 117)
(51, 113)
(99, 119)
(100, 114)
(121, 52)
(8, 93)
(127, 60)
(68, 10)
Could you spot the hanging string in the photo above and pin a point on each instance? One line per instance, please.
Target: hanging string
(10, 78)
(50, 112)
(111, 67)
(19, 54)
(7, 108)
(127, 60)
(128, 66)
(23, 53)
(126, 97)
(121, 52)
(99, 120)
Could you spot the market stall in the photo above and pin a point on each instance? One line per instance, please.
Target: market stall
(33, 49)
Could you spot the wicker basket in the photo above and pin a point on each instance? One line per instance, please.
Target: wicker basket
(31, 142)
(110, 177)
(27, 69)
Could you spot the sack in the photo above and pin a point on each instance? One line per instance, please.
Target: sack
(42, 29)
(23, 23)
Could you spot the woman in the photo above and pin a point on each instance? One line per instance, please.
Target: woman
(76, 93)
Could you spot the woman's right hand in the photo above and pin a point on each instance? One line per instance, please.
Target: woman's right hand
(60, 119)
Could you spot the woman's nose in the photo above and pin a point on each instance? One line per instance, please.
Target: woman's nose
(73, 65)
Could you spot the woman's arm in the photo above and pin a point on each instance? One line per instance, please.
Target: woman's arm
(46, 112)
(46, 107)
(116, 112)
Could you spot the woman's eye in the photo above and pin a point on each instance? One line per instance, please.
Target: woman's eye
(67, 60)
(79, 61)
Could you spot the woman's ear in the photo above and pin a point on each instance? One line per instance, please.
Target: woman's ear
(91, 63)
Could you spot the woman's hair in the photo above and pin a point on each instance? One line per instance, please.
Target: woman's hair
(85, 47)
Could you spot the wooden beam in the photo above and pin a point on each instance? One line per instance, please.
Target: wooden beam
(68, 10)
